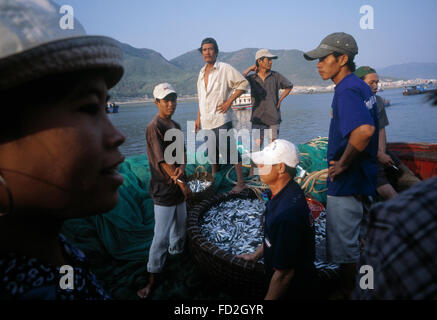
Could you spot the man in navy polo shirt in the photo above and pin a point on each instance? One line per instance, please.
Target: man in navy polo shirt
(288, 244)
(352, 151)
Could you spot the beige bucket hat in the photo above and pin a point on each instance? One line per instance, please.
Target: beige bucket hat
(33, 45)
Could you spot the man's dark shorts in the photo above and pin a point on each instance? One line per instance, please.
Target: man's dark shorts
(231, 145)
(264, 136)
(384, 172)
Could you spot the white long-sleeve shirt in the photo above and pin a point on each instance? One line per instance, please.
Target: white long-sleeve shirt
(223, 79)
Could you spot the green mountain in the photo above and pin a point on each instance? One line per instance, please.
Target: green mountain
(290, 63)
(144, 68)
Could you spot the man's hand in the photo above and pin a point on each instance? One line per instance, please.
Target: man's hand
(386, 160)
(253, 68)
(177, 173)
(335, 169)
(224, 107)
(197, 125)
(248, 257)
(358, 141)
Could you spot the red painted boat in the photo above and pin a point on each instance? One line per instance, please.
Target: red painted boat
(421, 158)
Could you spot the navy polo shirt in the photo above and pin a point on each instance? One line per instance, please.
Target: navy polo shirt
(353, 105)
(288, 236)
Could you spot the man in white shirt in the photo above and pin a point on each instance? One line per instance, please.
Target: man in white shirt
(218, 85)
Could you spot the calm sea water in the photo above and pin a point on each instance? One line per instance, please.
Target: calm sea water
(304, 117)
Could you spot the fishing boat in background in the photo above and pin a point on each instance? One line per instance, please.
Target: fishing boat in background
(243, 102)
(242, 111)
(421, 158)
(413, 90)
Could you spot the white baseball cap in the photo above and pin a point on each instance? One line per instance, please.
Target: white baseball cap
(162, 90)
(279, 151)
(264, 53)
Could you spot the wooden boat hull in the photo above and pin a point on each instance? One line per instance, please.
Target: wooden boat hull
(421, 158)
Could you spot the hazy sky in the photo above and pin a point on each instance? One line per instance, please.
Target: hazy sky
(404, 30)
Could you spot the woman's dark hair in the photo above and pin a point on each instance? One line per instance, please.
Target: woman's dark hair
(212, 41)
(350, 61)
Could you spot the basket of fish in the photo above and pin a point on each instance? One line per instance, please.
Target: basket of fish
(201, 184)
(226, 225)
(218, 230)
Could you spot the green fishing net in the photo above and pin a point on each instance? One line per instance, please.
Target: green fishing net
(117, 243)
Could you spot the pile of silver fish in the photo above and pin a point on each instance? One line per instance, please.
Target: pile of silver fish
(320, 243)
(235, 226)
(199, 185)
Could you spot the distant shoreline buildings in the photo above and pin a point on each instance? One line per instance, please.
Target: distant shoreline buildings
(384, 84)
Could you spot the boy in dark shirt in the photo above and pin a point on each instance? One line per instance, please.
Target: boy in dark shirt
(167, 188)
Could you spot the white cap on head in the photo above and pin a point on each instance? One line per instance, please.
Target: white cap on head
(279, 151)
(264, 53)
(162, 90)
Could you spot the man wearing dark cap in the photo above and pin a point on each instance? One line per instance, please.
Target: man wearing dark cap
(218, 85)
(390, 169)
(352, 151)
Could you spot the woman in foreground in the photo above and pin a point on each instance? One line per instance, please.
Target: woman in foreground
(58, 149)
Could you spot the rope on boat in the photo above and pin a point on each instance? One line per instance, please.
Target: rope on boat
(313, 178)
(308, 183)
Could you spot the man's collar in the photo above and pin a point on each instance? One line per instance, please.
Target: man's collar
(277, 195)
(216, 66)
(268, 74)
(351, 74)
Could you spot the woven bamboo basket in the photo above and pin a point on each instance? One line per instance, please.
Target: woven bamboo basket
(243, 278)
(201, 174)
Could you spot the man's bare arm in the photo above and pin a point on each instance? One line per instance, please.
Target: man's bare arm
(253, 68)
(358, 141)
(283, 96)
(383, 157)
(224, 107)
(253, 256)
(279, 284)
